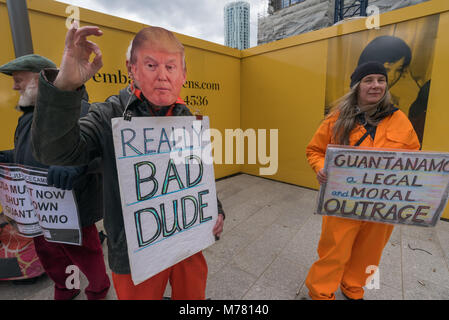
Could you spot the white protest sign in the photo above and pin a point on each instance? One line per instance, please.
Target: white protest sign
(389, 186)
(15, 201)
(37, 208)
(167, 189)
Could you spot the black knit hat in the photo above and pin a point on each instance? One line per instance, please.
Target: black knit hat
(367, 68)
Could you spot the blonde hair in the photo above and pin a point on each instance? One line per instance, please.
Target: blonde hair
(347, 110)
(158, 38)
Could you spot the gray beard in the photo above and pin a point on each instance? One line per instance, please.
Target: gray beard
(28, 97)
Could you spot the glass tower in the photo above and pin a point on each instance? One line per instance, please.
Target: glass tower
(236, 25)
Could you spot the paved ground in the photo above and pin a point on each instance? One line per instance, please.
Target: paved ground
(269, 243)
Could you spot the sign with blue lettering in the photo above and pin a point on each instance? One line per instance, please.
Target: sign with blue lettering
(167, 189)
(389, 186)
(37, 208)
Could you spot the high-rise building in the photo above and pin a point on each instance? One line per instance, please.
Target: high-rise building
(236, 24)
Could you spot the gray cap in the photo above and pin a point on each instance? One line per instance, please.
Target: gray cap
(30, 62)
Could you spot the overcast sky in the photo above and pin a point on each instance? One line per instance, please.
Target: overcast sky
(197, 18)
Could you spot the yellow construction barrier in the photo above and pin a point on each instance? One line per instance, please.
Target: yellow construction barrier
(291, 83)
(213, 71)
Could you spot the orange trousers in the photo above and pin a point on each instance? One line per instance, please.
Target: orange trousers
(187, 279)
(346, 249)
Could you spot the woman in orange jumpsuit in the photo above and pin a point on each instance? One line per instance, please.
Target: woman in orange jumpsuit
(363, 117)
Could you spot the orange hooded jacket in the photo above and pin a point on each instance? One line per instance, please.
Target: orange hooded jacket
(395, 131)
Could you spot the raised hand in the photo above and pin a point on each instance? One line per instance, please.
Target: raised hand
(76, 69)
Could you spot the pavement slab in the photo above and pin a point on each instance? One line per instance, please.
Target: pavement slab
(269, 242)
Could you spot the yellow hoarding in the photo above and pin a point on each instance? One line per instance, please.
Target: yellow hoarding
(289, 84)
(213, 71)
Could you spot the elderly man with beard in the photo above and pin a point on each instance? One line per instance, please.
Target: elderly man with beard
(85, 180)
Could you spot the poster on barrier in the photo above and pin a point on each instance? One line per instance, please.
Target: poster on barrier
(36, 208)
(388, 186)
(167, 190)
(406, 49)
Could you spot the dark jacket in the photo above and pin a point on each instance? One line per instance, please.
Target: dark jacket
(87, 188)
(61, 140)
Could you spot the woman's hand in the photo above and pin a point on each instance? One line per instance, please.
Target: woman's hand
(321, 176)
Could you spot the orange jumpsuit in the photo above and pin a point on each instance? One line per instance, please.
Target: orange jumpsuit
(347, 247)
(187, 278)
